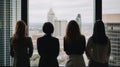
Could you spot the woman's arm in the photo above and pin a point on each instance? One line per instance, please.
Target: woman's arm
(66, 47)
(11, 48)
(109, 48)
(89, 49)
(30, 47)
(84, 44)
(57, 48)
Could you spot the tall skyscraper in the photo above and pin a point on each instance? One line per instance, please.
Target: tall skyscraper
(8, 12)
(112, 25)
(51, 16)
(59, 25)
(78, 19)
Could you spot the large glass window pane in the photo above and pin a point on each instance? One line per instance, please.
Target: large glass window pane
(59, 12)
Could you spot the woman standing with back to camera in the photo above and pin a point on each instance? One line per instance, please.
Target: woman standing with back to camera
(48, 47)
(21, 46)
(98, 47)
(74, 45)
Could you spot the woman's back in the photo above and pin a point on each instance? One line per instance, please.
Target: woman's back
(100, 53)
(48, 46)
(21, 52)
(75, 46)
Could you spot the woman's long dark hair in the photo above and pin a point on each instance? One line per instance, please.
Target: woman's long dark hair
(72, 31)
(99, 35)
(20, 32)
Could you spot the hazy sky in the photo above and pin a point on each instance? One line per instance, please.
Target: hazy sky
(68, 9)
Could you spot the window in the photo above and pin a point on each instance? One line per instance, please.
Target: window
(59, 12)
(38, 14)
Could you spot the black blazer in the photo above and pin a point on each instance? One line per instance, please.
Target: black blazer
(75, 47)
(48, 49)
(21, 52)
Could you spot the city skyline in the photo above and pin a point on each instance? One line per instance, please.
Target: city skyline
(63, 9)
(38, 9)
(60, 25)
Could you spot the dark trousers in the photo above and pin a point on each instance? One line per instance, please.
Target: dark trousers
(97, 64)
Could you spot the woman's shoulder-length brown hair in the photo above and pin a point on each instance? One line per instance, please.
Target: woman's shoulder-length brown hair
(20, 29)
(20, 32)
(72, 31)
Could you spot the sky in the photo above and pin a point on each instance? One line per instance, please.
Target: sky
(68, 9)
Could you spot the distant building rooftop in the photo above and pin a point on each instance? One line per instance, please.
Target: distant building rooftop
(111, 18)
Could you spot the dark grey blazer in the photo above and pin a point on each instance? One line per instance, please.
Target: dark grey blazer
(21, 52)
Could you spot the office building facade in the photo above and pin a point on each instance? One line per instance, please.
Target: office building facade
(112, 26)
(113, 32)
(78, 20)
